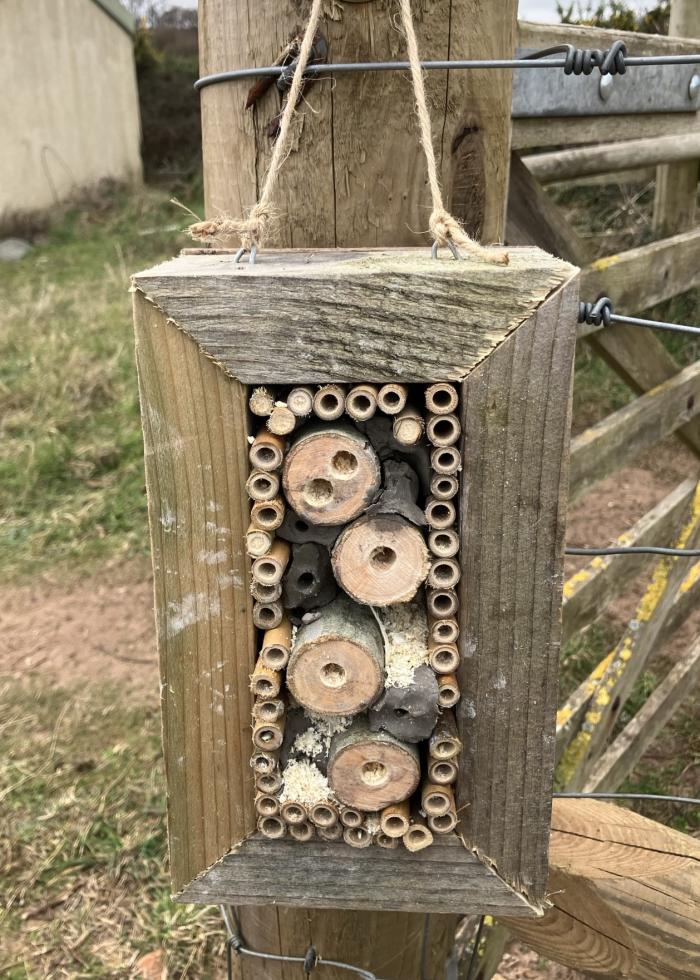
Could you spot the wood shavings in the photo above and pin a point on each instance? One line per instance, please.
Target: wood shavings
(304, 783)
(405, 627)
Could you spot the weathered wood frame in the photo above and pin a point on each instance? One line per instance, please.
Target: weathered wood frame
(205, 328)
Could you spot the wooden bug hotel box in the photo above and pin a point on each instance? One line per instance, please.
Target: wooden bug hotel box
(357, 469)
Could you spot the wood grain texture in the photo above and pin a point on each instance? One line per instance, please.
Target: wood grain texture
(583, 130)
(610, 158)
(357, 133)
(445, 878)
(639, 426)
(257, 321)
(194, 420)
(516, 417)
(625, 894)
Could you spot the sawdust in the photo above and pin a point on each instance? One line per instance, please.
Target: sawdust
(406, 641)
(304, 783)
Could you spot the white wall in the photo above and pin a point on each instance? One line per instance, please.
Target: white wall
(69, 111)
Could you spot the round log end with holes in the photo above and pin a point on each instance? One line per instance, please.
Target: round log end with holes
(448, 694)
(358, 837)
(409, 713)
(443, 772)
(446, 459)
(267, 451)
(391, 398)
(441, 398)
(442, 603)
(444, 631)
(369, 770)
(282, 420)
(261, 402)
(309, 583)
(361, 402)
(268, 514)
(302, 831)
(337, 664)
(381, 560)
(445, 543)
(267, 615)
(272, 827)
(329, 402)
(408, 427)
(394, 820)
(418, 836)
(443, 430)
(300, 400)
(331, 475)
(444, 573)
(444, 486)
(277, 645)
(332, 833)
(262, 485)
(440, 514)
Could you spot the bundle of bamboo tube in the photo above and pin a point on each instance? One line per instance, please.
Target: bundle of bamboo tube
(354, 505)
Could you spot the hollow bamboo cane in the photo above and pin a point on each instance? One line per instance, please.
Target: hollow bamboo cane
(267, 451)
(441, 398)
(267, 615)
(445, 743)
(448, 690)
(392, 398)
(361, 402)
(272, 827)
(263, 485)
(261, 402)
(258, 541)
(264, 682)
(444, 543)
(446, 459)
(268, 514)
(300, 400)
(443, 430)
(282, 420)
(269, 569)
(395, 819)
(277, 645)
(444, 631)
(329, 402)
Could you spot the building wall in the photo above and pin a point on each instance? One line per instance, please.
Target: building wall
(69, 112)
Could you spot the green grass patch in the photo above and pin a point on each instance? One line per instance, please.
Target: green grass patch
(71, 457)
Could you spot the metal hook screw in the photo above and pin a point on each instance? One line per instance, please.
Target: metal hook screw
(241, 252)
(456, 254)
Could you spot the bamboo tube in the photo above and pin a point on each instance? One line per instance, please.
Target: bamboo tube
(442, 603)
(361, 402)
(446, 459)
(267, 451)
(441, 398)
(448, 686)
(444, 486)
(268, 514)
(293, 812)
(277, 645)
(418, 836)
(370, 770)
(269, 783)
(335, 832)
(440, 514)
(444, 658)
(444, 743)
(443, 430)
(272, 827)
(265, 683)
(300, 400)
(358, 837)
(268, 709)
(329, 402)
(324, 814)
(261, 402)
(268, 735)
(445, 543)
(444, 573)
(331, 474)
(443, 823)
(442, 771)
(408, 427)
(262, 485)
(257, 541)
(282, 421)
(392, 398)
(265, 593)
(444, 631)
(267, 615)
(269, 569)
(388, 843)
(266, 805)
(302, 831)
(435, 799)
(264, 763)
(350, 817)
(395, 819)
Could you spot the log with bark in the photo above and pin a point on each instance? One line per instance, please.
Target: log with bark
(370, 770)
(410, 712)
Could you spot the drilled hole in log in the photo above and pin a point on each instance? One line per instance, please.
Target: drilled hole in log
(318, 492)
(400, 712)
(306, 581)
(344, 463)
(382, 558)
(301, 526)
(333, 675)
(374, 774)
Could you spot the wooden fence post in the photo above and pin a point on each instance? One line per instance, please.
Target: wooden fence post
(358, 150)
(677, 184)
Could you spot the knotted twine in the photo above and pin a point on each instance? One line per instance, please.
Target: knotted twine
(444, 227)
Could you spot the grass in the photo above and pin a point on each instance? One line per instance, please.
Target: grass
(71, 458)
(85, 888)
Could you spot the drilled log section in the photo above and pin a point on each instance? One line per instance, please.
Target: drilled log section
(391, 398)
(264, 682)
(381, 560)
(444, 543)
(268, 514)
(448, 690)
(262, 486)
(409, 713)
(369, 770)
(298, 530)
(440, 514)
(331, 474)
(282, 420)
(301, 401)
(443, 430)
(361, 402)
(265, 593)
(267, 615)
(267, 451)
(445, 742)
(395, 819)
(258, 541)
(276, 647)
(443, 631)
(442, 603)
(329, 402)
(261, 402)
(272, 827)
(337, 664)
(400, 492)
(443, 772)
(309, 582)
(408, 426)
(269, 569)
(446, 459)
(418, 836)
(302, 832)
(444, 573)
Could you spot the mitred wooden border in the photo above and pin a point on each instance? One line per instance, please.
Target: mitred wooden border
(203, 325)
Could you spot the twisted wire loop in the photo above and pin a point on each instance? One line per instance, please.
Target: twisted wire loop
(595, 314)
(583, 61)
